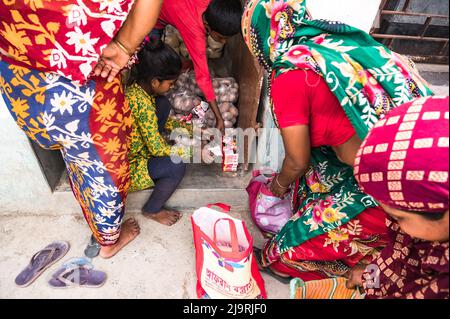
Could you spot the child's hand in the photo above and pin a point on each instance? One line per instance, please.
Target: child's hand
(354, 276)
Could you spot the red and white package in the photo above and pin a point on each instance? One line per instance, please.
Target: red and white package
(200, 110)
(230, 159)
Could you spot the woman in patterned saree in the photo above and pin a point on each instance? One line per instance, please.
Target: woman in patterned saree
(330, 83)
(415, 194)
(54, 58)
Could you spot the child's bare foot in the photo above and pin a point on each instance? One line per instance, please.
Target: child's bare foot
(129, 231)
(165, 216)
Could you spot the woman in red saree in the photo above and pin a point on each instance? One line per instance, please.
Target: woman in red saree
(404, 165)
(329, 84)
(55, 57)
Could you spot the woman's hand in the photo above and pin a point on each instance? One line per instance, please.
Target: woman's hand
(277, 189)
(220, 124)
(112, 60)
(139, 23)
(354, 276)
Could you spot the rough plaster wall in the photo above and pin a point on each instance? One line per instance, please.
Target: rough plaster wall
(357, 13)
(21, 178)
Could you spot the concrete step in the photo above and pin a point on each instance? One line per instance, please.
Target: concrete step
(202, 185)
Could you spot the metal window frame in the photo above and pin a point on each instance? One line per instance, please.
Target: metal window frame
(441, 57)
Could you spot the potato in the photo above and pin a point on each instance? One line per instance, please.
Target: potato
(227, 116)
(216, 83)
(211, 122)
(210, 115)
(224, 107)
(196, 101)
(183, 79)
(228, 124)
(198, 91)
(234, 111)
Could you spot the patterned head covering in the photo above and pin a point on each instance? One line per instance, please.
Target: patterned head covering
(366, 77)
(404, 161)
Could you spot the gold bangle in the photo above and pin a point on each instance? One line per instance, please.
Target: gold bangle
(281, 186)
(122, 47)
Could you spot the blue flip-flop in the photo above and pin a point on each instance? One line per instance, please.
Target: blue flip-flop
(77, 274)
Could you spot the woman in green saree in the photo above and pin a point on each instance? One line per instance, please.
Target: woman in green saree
(330, 83)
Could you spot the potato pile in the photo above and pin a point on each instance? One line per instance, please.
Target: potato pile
(186, 95)
(173, 39)
(226, 90)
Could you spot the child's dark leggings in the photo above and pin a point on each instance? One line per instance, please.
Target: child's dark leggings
(166, 174)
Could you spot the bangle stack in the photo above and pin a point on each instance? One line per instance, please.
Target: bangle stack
(278, 183)
(123, 48)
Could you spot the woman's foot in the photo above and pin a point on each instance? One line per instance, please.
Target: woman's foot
(129, 231)
(165, 216)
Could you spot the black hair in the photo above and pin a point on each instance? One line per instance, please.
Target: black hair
(156, 60)
(224, 16)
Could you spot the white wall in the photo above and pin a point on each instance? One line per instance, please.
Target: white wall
(23, 187)
(357, 13)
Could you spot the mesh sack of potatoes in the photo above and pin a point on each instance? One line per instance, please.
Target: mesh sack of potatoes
(186, 95)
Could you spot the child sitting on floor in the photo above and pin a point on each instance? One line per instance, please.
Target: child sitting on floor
(150, 156)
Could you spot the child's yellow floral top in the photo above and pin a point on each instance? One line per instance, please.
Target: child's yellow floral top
(146, 141)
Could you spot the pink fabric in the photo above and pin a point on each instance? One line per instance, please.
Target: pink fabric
(302, 97)
(404, 161)
(269, 212)
(187, 17)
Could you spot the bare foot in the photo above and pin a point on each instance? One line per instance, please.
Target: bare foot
(165, 216)
(129, 231)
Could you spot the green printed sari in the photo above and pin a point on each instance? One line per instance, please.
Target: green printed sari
(367, 78)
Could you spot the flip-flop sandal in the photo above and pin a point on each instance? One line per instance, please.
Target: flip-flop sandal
(257, 253)
(78, 261)
(41, 261)
(93, 248)
(77, 276)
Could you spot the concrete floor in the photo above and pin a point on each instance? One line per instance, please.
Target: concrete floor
(159, 264)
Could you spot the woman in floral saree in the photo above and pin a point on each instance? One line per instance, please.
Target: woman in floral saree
(54, 58)
(330, 83)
